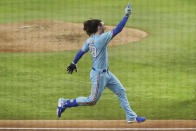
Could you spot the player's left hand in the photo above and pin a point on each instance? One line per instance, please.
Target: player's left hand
(128, 10)
(71, 68)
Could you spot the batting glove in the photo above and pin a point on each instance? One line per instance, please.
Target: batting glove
(71, 68)
(128, 10)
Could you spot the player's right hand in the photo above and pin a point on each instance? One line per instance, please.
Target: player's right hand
(71, 68)
(128, 10)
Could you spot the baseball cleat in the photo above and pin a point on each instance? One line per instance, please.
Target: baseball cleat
(61, 106)
(137, 119)
(140, 119)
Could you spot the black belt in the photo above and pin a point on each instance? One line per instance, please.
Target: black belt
(104, 70)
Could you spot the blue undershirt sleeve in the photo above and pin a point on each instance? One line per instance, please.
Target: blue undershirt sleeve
(78, 56)
(120, 26)
(80, 53)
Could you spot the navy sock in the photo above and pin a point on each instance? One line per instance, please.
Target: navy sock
(71, 103)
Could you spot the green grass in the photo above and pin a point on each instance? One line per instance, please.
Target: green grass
(159, 73)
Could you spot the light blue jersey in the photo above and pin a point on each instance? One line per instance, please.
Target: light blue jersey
(97, 44)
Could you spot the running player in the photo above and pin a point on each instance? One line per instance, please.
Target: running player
(100, 75)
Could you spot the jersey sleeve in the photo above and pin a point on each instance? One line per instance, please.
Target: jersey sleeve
(107, 36)
(85, 47)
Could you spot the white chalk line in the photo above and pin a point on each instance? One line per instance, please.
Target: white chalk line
(107, 129)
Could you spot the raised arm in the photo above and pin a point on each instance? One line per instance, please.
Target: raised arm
(120, 26)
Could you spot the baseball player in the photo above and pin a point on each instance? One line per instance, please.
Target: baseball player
(100, 75)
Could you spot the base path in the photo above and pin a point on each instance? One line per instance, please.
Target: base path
(45, 35)
(97, 125)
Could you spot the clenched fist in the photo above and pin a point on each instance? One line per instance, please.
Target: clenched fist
(71, 68)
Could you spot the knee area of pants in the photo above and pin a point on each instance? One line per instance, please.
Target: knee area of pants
(93, 102)
(121, 92)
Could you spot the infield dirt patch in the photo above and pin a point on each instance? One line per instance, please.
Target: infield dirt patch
(45, 35)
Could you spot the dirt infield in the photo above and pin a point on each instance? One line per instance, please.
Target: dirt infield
(103, 125)
(45, 35)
